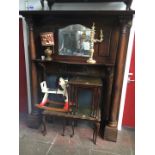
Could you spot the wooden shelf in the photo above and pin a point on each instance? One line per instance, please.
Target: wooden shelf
(80, 12)
(69, 62)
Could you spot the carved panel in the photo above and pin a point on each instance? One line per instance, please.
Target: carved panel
(104, 46)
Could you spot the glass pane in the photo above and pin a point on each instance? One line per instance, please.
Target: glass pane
(74, 40)
(84, 102)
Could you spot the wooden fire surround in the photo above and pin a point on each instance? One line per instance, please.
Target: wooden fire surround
(110, 56)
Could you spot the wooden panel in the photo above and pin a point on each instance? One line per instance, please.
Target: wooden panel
(104, 46)
(108, 48)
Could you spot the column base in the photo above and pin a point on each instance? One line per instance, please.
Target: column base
(113, 124)
(34, 121)
(110, 133)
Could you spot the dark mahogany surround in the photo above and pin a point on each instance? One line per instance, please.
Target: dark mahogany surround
(110, 55)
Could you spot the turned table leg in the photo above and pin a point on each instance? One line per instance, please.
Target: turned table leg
(64, 126)
(44, 131)
(73, 123)
(96, 131)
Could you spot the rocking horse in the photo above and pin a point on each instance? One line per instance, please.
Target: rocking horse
(63, 84)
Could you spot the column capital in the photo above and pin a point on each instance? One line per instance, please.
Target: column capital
(125, 20)
(29, 22)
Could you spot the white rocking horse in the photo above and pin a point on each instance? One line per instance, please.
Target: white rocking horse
(64, 84)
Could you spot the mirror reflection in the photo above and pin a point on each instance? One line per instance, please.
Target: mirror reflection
(74, 40)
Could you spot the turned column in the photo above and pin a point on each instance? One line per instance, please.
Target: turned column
(119, 72)
(106, 98)
(111, 131)
(33, 69)
(33, 120)
(109, 82)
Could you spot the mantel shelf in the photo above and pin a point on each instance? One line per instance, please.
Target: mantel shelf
(77, 12)
(67, 62)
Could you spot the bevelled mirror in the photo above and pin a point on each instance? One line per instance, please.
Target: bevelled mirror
(74, 40)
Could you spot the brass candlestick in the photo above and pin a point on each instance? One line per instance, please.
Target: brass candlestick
(92, 41)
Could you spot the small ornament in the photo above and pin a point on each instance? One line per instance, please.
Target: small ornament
(47, 40)
(92, 41)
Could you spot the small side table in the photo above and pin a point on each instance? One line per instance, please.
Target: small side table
(95, 86)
